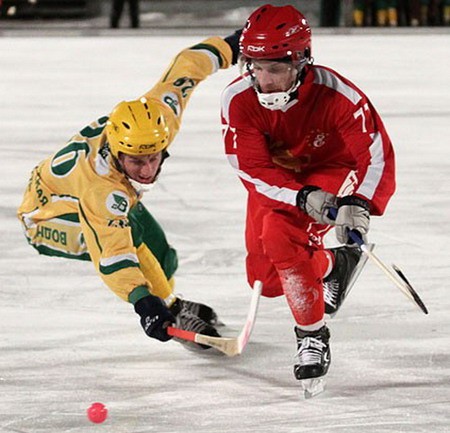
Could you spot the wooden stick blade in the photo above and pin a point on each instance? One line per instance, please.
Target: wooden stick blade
(225, 345)
(231, 346)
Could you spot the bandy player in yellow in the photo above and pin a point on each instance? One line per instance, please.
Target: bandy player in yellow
(83, 202)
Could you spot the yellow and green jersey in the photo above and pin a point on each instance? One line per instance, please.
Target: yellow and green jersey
(77, 201)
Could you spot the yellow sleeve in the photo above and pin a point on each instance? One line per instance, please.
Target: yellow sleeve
(186, 71)
(130, 272)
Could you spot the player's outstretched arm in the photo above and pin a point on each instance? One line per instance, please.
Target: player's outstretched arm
(187, 70)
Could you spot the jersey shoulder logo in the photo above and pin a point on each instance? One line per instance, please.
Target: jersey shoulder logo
(118, 203)
(171, 99)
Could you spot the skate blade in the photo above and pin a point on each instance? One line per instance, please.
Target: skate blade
(313, 387)
(217, 323)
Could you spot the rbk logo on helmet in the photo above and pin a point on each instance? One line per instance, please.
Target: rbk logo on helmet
(256, 49)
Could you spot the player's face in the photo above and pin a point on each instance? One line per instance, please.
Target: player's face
(142, 168)
(273, 76)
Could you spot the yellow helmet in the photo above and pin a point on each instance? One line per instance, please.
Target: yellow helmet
(137, 128)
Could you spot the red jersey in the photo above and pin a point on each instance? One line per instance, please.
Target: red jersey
(330, 123)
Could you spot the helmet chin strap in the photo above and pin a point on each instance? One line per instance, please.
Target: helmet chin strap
(140, 188)
(276, 100)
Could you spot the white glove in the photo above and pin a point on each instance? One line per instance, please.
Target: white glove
(353, 214)
(316, 203)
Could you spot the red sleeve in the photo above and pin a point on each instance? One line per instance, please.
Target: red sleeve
(247, 152)
(367, 140)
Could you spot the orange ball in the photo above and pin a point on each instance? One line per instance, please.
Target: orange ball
(97, 413)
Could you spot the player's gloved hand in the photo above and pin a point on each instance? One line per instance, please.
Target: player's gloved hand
(316, 203)
(155, 317)
(352, 214)
(233, 41)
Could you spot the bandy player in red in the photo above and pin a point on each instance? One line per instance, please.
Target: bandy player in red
(303, 139)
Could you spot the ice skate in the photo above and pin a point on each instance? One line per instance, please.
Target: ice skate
(187, 320)
(349, 262)
(312, 359)
(204, 312)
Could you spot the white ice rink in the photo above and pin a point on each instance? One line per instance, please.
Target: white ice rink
(66, 340)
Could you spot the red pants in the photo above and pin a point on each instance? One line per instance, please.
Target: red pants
(285, 249)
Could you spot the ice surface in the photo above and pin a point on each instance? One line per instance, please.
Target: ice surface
(67, 341)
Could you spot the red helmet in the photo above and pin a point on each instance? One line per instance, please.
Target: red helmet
(273, 32)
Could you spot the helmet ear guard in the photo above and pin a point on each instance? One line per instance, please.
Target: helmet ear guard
(137, 128)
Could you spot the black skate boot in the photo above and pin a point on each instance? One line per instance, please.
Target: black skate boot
(313, 353)
(204, 312)
(347, 266)
(187, 320)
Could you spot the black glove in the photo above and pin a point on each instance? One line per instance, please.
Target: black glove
(353, 214)
(155, 317)
(233, 42)
(316, 203)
